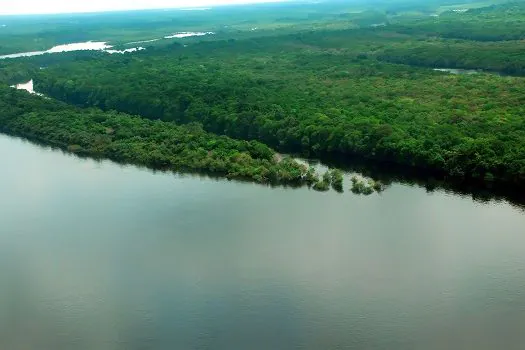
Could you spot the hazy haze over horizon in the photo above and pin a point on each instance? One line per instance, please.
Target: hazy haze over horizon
(21, 7)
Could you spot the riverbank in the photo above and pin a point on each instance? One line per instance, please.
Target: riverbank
(380, 111)
(166, 146)
(134, 140)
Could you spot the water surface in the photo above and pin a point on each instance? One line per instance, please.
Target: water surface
(181, 35)
(94, 255)
(85, 46)
(457, 71)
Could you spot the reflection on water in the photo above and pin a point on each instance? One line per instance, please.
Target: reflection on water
(391, 173)
(94, 255)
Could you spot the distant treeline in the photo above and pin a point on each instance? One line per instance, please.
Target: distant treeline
(492, 23)
(507, 57)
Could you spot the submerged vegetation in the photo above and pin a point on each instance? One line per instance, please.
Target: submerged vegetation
(365, 186)
(337, 180)
(321, 186)
(347, 85)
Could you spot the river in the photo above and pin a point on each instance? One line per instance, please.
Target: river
(95, 255)
(86, 46)
(101, 46)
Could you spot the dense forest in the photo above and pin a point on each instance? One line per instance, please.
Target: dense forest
(362, 90)
(507, 57)
(491, 23)
(131, 139)
(315, 101)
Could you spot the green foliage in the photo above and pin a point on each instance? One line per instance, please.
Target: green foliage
(315, 101)
(337, 180)
(361, 186)
(325, 92)
(366, 186)
(491, 23)
(505, 57)
(378, 186)
(327, 177)
(311, 177)
(321, 186)
(35, 33)
(131, 139)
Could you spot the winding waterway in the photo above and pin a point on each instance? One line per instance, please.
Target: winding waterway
(94, 255)
(101, 46)
(86, 46)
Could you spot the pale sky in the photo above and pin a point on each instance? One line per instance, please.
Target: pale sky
(10, 7)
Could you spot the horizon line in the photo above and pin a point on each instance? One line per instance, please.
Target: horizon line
(175, 8)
